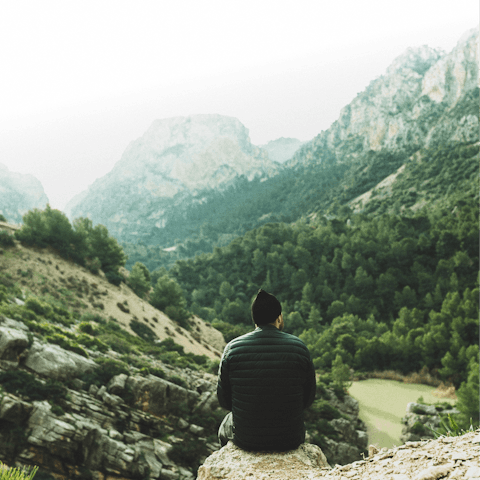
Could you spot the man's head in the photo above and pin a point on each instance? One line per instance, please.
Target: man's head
(266, 309)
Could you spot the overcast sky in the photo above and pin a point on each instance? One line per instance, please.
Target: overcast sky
(81, 79)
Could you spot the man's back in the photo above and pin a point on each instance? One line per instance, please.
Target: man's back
(267, 379)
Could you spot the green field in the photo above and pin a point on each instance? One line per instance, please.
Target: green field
(382, 405)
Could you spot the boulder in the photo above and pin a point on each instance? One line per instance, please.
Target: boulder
(12, 343)
(232, 463)
(14, 410)
(341, 452)
(116, 385)
(158, 396)
(54, 362)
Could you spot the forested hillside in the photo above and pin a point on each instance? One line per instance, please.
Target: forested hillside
(383, 292)
(430, 177)
(420, 117)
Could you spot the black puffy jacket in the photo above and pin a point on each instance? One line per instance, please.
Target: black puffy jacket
(266, 378)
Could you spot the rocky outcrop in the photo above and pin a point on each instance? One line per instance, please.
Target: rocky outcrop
(123, 430)
(54, 362)
(351, 439)
(425, 98)
(175, 160)
(446, 457)
(18, 194)
(232, 463)
(421, 419)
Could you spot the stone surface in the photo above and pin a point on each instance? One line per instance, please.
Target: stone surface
(232, 463)
(12, 343)
(446, 457)
(157, 396)
(54, 362)
(427, 415)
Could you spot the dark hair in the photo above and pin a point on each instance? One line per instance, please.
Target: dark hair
(265, 308)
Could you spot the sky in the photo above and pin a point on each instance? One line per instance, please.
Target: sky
(82, 79)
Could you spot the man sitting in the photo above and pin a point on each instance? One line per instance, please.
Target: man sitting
(266, 379)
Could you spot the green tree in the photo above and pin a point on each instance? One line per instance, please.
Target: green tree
(468, 396)
(341, 373)
(168, 297)
(138, 281)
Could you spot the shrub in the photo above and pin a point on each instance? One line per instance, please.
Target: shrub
(108, 368)
(418, 429)
(23, 383)
(178, 381)
(322, 409)
(92, 343)
(6, 240)
(66, 343)
(143, 331)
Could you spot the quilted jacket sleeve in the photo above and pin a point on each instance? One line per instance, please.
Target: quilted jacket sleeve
(310, 386)
(224, 391)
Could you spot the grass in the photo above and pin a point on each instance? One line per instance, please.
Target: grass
(383, 403)
(17, 473)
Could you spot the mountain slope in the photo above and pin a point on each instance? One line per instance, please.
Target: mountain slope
(18, 194)
(44, 273)
(172, 164)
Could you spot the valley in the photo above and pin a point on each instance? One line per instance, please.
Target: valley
(367, 235)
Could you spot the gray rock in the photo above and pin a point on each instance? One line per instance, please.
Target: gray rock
(117, 384)
(182, 424)
(346, 429)
(10, 323)
(14, 410)
(158, 396)
(348, 405)
(362, 439)
(421, 409)
(341, 452)
(196, 430)
(57, 363)
(148, 452)
(207, 402)
(12, 343)
(93, 390)
(102, 391)
(161, 452)
(78, 384)
(169, 475)
(230, 462)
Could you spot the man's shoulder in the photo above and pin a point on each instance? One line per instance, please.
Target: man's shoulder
(259, 335)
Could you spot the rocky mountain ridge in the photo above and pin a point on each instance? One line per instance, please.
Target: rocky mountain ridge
(18, 194)
(426, 99)
(413, 106)
(174, 161)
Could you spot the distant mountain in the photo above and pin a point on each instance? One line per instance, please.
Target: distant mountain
(18, 194)
(172, 164)
(425, 98)
(422, 115)
(282, 149)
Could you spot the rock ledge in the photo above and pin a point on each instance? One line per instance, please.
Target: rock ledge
(232, 463)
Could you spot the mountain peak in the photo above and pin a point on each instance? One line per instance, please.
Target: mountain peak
(418, 59)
